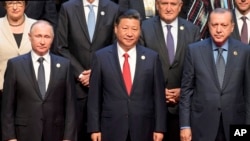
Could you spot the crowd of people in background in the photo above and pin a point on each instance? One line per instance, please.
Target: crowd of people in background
(123, 70)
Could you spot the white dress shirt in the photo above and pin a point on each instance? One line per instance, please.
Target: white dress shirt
(86, 8)
(131, 59)
(46, 64)
(174, 31)
(240, 22)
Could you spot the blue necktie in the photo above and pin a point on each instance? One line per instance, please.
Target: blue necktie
(91, 21)
(170, 44)
(41, 77)
(220, 66)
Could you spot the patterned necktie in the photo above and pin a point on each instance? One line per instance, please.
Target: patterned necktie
(170, 44)
(126, 74)
(41, 77)
(91, 21)
(220, 65)
(244, 31)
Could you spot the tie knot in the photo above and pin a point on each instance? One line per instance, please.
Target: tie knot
(169, 27)
(40, 60)
(220, 50)
(244, 18)
(91, 7)
(125, 55)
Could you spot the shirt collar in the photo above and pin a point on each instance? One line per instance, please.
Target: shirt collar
(224, 46)
(86, 3)
(35, 57)
(121, 51)
(239, 15)
(173, 24)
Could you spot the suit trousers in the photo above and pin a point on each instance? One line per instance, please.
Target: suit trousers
(128, 137)
(81, 113)
(173, 129)
(220, 134)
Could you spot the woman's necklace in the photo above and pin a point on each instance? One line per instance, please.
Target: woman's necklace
(15, 25)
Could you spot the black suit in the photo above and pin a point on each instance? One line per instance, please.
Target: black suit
(115, 114)
(152, 37)
(74, 42)
(29, 117)
(203, 101)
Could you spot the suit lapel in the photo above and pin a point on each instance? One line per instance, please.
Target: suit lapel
(80, 14)
(115, 64)
(139, 66)
(161, 41)
(208, 59)
(180, 37)
(54, 72)
(232, 59)
(8, 34)
(102, 11)
(30, 73)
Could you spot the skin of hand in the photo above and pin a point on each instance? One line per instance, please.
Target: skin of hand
(186, 134)
(172, 95)
(96, 136)
(13, 140)
(84, 78)
(158, 136)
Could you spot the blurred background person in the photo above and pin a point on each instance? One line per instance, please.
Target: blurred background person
(241, 14)
(147, 8)
(84, 26)
(43, 9)
(198, 11)
(14, 40)
(155, 35)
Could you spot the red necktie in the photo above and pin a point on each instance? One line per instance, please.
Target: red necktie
(127, 74)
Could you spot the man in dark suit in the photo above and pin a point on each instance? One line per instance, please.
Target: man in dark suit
(126, 96)
(154, 36)
(242, 9)
(38, 10)
(35, 110)
(215, 83)
(76, 43)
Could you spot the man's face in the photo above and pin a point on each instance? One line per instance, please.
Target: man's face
(127, 33)
(220, 27)
(41, 38)
(168, 9)
(243, 6)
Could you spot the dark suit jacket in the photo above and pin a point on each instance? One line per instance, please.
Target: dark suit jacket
(39, 10)
(114, 113)
(152, 37)
(236, 33)
(25, 114)
(202, 101)
(73, 37)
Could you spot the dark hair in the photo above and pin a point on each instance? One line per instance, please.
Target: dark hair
(128, 14)
(221, 11)
(4, 4)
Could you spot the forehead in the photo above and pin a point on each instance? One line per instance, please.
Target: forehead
(129, 21)
(168, 1)
(41, 27)
(220, 17)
